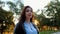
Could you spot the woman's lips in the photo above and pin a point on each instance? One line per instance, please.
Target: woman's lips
(29, 15)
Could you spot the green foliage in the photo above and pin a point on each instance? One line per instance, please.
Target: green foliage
(2, 3)
(6, 19)
(14, 6)
(48, 32)
(53, 9)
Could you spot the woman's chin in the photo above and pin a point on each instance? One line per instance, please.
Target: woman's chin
(28, 17)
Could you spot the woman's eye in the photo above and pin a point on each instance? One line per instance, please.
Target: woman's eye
(28, 11)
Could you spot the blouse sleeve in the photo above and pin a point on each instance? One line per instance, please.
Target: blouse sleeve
(19, 29)
(16, 29)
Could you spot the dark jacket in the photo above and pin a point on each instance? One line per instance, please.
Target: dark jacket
(19, 29)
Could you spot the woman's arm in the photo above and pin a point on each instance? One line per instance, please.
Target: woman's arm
(16, 29)
(19, 29)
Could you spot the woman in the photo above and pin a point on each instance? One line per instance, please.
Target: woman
(25, 24)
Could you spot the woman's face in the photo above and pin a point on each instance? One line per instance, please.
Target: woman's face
(28, 13)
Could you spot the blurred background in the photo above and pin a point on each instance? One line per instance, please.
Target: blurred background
(46, 12)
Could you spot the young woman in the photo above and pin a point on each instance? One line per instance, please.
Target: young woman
(25, 24)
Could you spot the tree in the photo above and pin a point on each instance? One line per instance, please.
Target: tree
(2, 4)
(6, 19)
(14, 6)
(41, 18)
(53, 10)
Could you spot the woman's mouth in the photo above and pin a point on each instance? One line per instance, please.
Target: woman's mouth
(29, 15)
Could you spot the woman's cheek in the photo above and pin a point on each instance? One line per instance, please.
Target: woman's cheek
(31, 16)
(27, 15)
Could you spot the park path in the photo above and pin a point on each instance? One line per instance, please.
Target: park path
(56, 33)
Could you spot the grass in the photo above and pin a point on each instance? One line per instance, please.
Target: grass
(48, 32)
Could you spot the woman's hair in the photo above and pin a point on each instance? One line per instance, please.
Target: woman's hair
(23, 17)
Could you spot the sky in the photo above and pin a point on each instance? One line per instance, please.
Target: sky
(35, 4)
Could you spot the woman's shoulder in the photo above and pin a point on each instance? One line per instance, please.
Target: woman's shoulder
(35, 27)
(16, 26)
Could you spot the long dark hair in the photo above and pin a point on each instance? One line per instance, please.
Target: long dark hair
(23, 17)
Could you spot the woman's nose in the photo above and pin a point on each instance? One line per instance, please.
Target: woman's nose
(29, 12)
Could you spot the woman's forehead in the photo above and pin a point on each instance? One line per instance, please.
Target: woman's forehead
(28, 8)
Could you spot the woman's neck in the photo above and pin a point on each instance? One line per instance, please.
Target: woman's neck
(28, 20)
